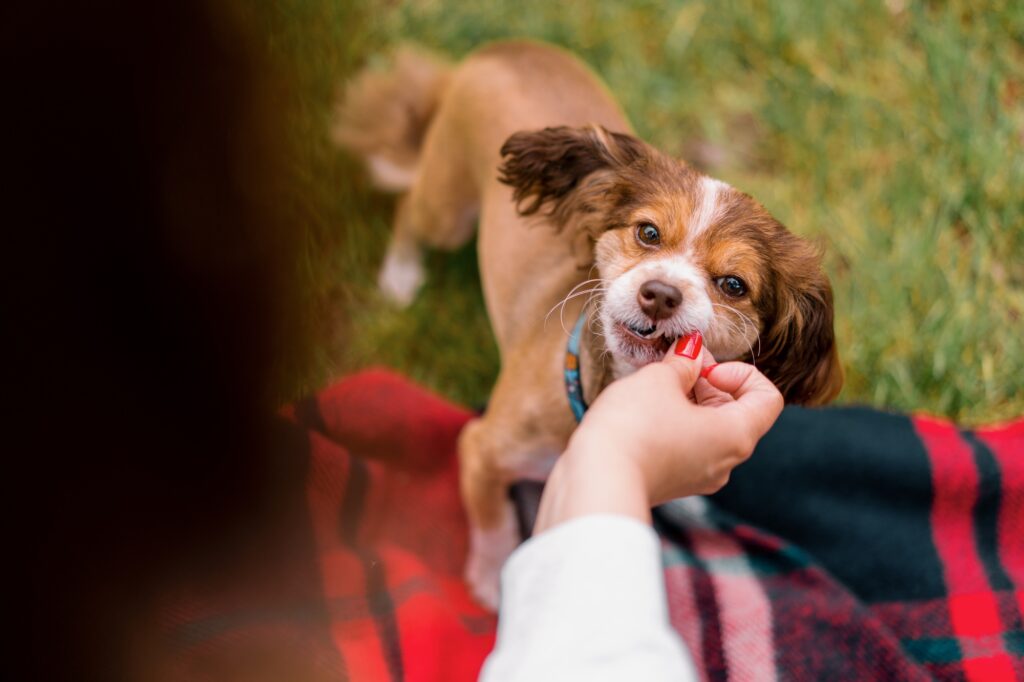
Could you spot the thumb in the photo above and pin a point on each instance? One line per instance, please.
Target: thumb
(685, 358)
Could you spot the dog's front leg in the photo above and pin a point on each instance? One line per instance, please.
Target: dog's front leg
(493, 533)
(402, 273)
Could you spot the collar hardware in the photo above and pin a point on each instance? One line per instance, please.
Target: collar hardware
(573, 382)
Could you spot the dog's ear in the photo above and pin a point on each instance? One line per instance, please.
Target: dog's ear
(570, 173)
(546, 165)
(799, 351)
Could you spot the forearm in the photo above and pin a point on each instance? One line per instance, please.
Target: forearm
(591, 478)
(584, 599)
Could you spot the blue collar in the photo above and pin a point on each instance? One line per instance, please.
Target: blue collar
(573, 383)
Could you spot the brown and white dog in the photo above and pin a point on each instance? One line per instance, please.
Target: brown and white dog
(576, 216)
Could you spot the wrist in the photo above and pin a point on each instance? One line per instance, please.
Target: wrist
(592, 440)
(591, 478)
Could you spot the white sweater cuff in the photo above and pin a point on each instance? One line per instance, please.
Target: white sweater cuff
(586, 600)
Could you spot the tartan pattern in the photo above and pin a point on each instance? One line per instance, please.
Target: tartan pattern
(854, 545)
(907, 530)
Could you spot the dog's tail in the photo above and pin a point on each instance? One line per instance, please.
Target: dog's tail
(382, 115)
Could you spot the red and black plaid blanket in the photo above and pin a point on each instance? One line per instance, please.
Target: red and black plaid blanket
(854, 545)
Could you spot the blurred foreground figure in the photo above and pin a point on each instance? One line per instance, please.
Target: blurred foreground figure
(148, 293)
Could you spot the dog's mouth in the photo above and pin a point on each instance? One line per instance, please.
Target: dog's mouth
(643, 333)
(643, 344)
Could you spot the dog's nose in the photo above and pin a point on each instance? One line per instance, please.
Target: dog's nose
(658, 300)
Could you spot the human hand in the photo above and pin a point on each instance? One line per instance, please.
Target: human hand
(661, 433)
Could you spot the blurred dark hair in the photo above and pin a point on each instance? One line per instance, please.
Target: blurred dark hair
(150, 307)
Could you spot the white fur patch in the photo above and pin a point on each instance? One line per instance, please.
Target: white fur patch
(621, 305)
(401, 274)
(488, 550)
(390, 176)
(707, 210)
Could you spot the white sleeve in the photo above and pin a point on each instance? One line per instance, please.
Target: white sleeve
(585, 600)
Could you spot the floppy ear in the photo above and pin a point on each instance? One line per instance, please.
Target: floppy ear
(569, 172)
(799, 351)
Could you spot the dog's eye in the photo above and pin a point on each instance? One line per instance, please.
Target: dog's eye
(732, 286)
(648, 234)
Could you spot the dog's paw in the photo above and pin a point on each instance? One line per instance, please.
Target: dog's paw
(484, 580)
(488, 550)
(402, 274)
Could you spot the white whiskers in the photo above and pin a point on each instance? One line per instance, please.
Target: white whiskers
(575, 292)
(745, 320)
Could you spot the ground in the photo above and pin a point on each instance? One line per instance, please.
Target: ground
(892, 132)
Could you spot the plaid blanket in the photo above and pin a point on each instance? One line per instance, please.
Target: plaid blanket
(854, 545)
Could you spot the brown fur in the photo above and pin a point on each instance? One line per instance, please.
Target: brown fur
(386, 113)
(568, 170)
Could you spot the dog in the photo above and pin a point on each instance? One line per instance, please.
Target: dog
(581, 221)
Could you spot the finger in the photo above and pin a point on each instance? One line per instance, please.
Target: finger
(706, 394)
(735, 378)
(686, 358)
(757, 402)
(703, 392)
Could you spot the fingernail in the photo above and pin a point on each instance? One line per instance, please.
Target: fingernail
(707, 370)
(689, 345)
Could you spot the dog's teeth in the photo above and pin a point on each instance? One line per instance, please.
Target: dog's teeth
(643, 331)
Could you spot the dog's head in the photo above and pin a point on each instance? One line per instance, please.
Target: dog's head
(678, 252)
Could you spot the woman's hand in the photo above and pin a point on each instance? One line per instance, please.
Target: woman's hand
(661, 433)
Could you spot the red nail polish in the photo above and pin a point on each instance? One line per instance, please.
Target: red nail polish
(707, 370)
(689, 345)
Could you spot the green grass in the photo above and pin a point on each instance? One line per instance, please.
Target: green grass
(894, 135)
